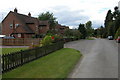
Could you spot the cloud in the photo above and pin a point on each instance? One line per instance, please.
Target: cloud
(68, 12)
(66, 16)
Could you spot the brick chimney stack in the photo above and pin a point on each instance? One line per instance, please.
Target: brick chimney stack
(29, 14)
(15, 10)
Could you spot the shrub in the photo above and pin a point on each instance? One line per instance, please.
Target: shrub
(57, 38)
(117, 33)
(47, 40)
(33, 46)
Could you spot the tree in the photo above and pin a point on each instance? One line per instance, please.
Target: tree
(76, 33)
(116, 12)
(68, 33)
(83, 31)
(117, 33)
(108, 19)
(89, 29)
(72, 33)
(110, 29)
(50, 18)
(116, 15)
(88, 25)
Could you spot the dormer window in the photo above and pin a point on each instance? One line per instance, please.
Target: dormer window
(16, 25)
(11, 26)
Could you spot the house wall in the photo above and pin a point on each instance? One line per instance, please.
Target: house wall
(32, 26)
(0, 28)
(6, 30)
(61, 28)
(12, 18)
(28, 35)
(44, 29)
(24, 35)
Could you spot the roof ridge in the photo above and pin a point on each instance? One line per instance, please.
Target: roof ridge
(22, 14)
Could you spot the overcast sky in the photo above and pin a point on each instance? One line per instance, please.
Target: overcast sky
(67, 12)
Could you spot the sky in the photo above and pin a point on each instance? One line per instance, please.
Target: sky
(68, 12)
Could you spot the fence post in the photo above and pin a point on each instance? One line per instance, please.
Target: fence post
(21, 58)
(36, 53)
(3, 63)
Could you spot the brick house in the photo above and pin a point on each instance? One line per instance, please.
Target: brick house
(0, 28)
(61, 29)
(23, 26)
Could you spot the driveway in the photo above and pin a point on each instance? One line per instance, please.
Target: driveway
(100, 59)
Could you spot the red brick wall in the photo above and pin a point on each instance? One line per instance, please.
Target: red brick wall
(44, 29)
(6, 30)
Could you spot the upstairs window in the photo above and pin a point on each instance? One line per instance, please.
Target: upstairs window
(11, 26)
(16, 25)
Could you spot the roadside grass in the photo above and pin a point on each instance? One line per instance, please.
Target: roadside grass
(10, 50)
(90, 38)
(55, 65)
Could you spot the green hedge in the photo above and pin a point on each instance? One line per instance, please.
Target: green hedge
(117, 33)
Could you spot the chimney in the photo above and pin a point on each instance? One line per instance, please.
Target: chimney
(15, 10)
(29, 14)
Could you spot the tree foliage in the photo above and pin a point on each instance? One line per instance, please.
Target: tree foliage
(117, 33)
(89, 29)
(99, 32)
(48, 17)
(112, 22)
(72, 33)
(83, 31)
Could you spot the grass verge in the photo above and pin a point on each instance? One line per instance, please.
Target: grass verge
(55, 65)
(90, 38)
(10, 50)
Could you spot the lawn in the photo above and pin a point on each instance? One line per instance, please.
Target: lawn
(10, 50)
(55, 65)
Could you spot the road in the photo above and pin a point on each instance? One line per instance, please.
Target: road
(100, 59)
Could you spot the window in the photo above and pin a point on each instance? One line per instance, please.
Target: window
(11, 26)
(40, 27)
(19, 35)
(16, 25)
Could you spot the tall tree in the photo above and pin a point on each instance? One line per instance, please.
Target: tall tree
(89, 29)
(49, 17)
(116, 12)
(82, 30)
(108, 19)
(110, 29)
(116, 15)
(99, 32)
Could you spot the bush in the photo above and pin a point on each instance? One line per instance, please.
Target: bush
(33, 46)
(57, 38)
(72, 33)
(47, 40)
(117, 33)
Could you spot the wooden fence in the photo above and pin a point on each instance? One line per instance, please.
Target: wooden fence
(20, 41)
(13, 60)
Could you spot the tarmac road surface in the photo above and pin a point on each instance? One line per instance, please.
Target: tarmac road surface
(100, 59)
